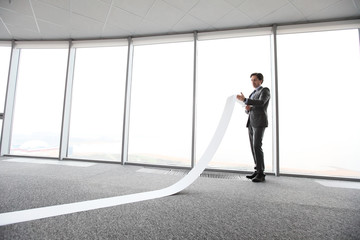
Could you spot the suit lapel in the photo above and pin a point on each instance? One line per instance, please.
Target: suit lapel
(257, 93)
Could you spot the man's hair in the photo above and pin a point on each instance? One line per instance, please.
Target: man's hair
(259, 76)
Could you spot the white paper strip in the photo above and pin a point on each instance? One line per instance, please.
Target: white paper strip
(57, 210)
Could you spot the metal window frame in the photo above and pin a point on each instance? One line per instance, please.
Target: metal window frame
(151, 40)
(9, 101)
(194, 109)
(73, 46)
(275, 103)
(127, 102)
(65, 124)
(275, 30)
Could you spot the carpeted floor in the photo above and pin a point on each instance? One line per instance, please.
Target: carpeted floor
(211, 208)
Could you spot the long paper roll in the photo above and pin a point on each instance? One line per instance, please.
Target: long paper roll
(57, 210)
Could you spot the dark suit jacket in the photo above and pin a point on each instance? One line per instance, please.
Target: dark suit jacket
(258, 113)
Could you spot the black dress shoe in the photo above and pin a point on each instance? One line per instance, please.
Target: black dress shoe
(259, 178)
(252, 175)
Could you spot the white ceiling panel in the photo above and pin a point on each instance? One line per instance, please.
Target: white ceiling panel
(21, 33)
(336, 10)
(257, 9)
(19, 6)
(51, 13)
(183, 5)
(94, 9)
(82, 19)
(190, 22)
(282, 14)
(64, 4)
(81, 24)
(123, 19)
(107, 1)
(148, 28)
(164, 13)
(18, 20)
(53, 31)
(210, 11)
(234, 19)
(82, 34)
(235, 3)
(310, 7)
(4, 32)
(113, 31)
(137, 7)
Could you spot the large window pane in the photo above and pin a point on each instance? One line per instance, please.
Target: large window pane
(4, 70)
(161, 104)
(318, 103)
(97, 103)
(39, 102)
(224, 70)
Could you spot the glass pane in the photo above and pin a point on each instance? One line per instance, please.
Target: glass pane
(224, 69)
(161, 104)
(97, 103)
(39, 102)
(4, 70)
(319, 115)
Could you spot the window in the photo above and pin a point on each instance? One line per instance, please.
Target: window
(39, 101)
(4, 69)
(318, 103)
(96, 124)
(161, 104)
(224, 68)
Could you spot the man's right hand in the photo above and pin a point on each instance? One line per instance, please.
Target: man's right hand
(241, 97)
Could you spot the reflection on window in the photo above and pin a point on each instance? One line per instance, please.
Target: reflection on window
(1, 122)
(224, 70)
(161, 104)
(97, 103)
(319, 115)
(39, 101)
(4, 69)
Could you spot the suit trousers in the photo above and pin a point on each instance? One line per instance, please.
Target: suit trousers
(256, 136)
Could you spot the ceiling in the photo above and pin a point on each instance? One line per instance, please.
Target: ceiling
(96, 19)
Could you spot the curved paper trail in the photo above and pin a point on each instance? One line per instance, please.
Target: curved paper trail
(57, 210)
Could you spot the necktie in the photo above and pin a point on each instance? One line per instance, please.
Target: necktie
(252, 94)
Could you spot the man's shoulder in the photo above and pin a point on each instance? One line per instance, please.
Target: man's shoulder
(264, 88)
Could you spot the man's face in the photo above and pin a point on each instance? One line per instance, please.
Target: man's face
(255, 81)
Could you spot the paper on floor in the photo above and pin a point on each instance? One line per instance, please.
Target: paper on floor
(57, 210)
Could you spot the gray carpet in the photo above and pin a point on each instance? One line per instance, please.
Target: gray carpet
(211, 208)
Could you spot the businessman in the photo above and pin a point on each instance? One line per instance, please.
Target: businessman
(256, 108)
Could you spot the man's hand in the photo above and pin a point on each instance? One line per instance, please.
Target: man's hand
(247, 107)
(241, 97)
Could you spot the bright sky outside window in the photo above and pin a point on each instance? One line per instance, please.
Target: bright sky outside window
(318, 90)
(4, 69)
(97, 103)
(224, 69)
(313, 69)
(161, 104)
(39, 102)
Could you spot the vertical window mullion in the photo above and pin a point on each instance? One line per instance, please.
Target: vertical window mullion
(275, 104)
(129, 70)
(10, 101)
(193, 147)
(64, 139)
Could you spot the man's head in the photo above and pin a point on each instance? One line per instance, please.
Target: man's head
(257, 79)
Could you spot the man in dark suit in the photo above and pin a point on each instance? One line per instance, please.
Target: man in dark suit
(256, 107)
